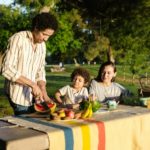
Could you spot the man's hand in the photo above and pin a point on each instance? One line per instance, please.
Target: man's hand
(46, 97)
(37, 93)
(42, 86)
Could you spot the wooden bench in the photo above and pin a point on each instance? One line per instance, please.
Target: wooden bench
(57, 68)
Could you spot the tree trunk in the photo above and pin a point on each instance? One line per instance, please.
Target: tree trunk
(124, 73)
(133, 77)
(89, 62)
(76, 63)
(110, 56)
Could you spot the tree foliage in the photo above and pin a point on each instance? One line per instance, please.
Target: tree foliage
(12, 20)
(87, 28)
(65, 40)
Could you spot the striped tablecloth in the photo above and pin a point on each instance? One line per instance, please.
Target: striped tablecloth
(67, 135)
(127, 128)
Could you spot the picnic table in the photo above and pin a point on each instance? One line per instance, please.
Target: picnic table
(126, 128)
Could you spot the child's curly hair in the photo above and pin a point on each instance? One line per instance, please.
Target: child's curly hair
(81, 72)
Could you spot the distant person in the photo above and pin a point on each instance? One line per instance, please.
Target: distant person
(104, 87)
(24, 64)
(77, 91)
(61, 65)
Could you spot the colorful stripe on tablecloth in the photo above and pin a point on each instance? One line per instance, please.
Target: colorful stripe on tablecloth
(68, 135)
(101, 134)
(76, 134)
(93, 134)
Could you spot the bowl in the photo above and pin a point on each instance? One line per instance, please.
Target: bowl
(144, 100)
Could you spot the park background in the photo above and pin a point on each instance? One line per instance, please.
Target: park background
(90, 32)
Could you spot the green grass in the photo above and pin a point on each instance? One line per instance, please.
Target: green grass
(57, 80)
(5, 108)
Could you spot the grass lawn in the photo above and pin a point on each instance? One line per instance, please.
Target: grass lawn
(57, 80)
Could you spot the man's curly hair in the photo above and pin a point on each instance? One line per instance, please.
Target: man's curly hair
(81, 72)
(44, 21)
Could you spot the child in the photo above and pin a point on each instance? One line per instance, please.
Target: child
(104, 87)
(74, 93)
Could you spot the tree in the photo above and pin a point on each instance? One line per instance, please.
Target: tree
(12, 20)
(38, 5)
(97, 48)
(65, 40)
(92, 52)
(125, 23)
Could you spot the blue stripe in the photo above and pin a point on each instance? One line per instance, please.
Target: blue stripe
(69, 143)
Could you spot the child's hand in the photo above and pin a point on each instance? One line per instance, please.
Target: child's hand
(92, 97)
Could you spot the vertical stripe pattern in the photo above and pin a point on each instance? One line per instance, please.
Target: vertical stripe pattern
(85, 137)
(22, 60)
(74, 135)
(101, 134)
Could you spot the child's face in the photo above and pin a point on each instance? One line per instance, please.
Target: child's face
(78, 82)
(107, 74)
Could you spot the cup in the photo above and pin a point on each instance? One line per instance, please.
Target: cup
(112, 104)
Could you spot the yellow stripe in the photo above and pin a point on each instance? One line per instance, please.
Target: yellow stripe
(81, 131)
(85, 137)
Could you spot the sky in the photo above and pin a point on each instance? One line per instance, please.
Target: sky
(6, 2)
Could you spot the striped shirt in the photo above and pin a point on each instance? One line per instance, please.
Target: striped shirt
(22, 60)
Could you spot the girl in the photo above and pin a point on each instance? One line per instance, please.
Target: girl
(74, 93)
(104, 87)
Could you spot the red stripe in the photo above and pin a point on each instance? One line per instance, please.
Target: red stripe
(101, 134)
(101, 129)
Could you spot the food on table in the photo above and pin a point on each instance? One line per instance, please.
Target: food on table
(62, 114)
(84, 104)
(96, 105)
(89, 106)
(78, 114)
(88, 112)
(65, 114)
(70, 113)
(52, 107)
(55, 116)
(40, 108)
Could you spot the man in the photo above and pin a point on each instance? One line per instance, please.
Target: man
(24, 64)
